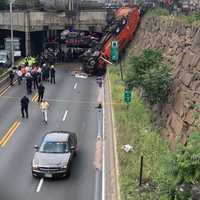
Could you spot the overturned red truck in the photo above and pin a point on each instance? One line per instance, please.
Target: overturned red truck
(122, 28)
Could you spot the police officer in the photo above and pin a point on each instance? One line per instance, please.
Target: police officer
(41, 90)
(24, 106)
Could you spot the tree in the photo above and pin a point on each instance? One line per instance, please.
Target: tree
(182, 169)
(149, 72)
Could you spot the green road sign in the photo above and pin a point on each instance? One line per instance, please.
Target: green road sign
(127, 96)
(114, 51)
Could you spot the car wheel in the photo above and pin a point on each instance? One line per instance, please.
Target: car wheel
(34, 176)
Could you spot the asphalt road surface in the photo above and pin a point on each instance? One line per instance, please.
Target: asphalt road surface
(72, 107)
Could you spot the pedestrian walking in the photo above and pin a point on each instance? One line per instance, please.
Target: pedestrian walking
(11, 76)
(41, 90)
(52, 73)
(44, 107)
(24, 105)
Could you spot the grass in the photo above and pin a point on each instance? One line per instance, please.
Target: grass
(158, 12)
(134, 127)
(192, 18)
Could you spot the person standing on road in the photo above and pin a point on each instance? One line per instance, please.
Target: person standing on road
(41, 90)
(52, 73)
(44, 107)
(35, 79)
(11, 76)
(24, 105)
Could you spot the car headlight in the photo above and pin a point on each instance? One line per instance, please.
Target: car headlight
(64, 166)
(35, 164)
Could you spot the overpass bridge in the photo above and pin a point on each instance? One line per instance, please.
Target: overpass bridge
(31, 23)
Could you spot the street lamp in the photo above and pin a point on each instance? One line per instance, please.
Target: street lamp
(11, 32)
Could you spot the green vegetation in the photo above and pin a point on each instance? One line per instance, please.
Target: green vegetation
(149, 72)
(168, 175)
(134, 127)
(191, 18)
(158, 12)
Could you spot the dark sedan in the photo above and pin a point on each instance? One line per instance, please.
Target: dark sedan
(54, 156)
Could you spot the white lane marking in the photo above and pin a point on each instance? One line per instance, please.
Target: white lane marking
(75, 86)
(40, 184)
(65, 115)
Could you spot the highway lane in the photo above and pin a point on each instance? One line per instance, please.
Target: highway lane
(72, 107)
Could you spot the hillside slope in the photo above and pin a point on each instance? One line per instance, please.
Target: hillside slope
(180, 43)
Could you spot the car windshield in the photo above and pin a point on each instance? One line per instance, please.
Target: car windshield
(53, 147)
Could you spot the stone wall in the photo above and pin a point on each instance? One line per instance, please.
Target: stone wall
(181, 46)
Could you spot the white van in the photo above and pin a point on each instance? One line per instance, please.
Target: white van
(5, 59)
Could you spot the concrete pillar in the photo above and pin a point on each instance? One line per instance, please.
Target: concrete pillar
(48, 34)
(27, 33)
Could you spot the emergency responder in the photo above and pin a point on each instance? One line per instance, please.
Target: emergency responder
(11, 76)
(52, 73)
(24, 105)
(41, 90)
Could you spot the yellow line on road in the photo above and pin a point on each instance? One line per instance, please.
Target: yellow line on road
(4, 90)
(9, 133)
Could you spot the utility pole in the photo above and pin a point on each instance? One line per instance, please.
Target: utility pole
(11, 34)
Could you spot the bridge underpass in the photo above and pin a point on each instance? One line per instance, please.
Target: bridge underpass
(34, 27)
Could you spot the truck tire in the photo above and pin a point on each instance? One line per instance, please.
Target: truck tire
(117, 29)
(123, 21)
(91, 62)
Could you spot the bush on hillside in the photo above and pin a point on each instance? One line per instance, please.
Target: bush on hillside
(149, 72)
(182, 169)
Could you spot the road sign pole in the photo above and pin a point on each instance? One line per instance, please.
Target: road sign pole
(141, 171)
(127, 105)
(121, 72)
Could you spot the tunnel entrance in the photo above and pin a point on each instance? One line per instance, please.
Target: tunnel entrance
(16, 34)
